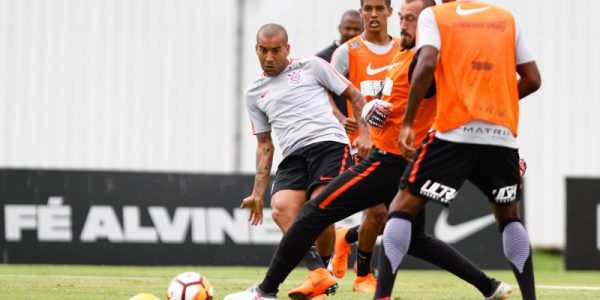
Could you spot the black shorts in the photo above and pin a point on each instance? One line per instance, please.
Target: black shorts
(441, 167)
(313, 165)
(373, 181)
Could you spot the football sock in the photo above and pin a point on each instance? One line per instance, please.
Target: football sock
(326, 259)
(352, 235)
(396, 240)
(363, 262)
(517, 250)
(435, 251)
(312, 260)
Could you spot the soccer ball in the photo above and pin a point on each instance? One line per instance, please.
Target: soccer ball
(190, 286)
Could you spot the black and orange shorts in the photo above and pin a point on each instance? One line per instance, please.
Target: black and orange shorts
(312, 165)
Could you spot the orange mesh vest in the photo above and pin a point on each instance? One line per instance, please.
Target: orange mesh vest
(476, 72)
(396, 93)
(367, 70)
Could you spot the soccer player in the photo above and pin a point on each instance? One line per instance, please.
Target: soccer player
(378, 173)
(350, 26)
(365, 60)
(475, 51)
(292, 99)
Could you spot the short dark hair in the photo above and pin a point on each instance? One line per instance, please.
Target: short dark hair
(270, 30)
(350, 13)
(388, 3)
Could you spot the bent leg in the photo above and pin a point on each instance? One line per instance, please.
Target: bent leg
(341, 198)
(437, 252)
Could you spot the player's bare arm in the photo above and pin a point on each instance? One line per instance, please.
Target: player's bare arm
(530, 79)
(363, 141)
(421, 80)
(264, 161)
(349, 124)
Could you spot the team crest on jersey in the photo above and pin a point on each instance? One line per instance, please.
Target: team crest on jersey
(354, 44)
(295, 77)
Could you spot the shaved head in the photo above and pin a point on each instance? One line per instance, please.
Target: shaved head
(388, 3)
(426, 3)
(271, 30)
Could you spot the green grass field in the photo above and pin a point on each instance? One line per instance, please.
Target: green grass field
(122, 282)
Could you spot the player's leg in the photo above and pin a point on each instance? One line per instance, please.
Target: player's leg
(396, 240)
(437, 172)
(326, 240)
(439, 253)
(341, 198)
(285, 205)
(369, 229)
(503, 187)
(318, 273)
(517, 247)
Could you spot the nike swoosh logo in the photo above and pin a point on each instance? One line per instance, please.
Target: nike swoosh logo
(455, 233)
(466, 12)
(379, 70)
(325, 178)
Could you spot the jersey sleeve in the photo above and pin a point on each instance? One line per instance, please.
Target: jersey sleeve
(428, 33)
(258, 118)
(522, 52)
(329, 77)
(339, 59)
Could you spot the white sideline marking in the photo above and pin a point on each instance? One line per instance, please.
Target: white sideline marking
(568, 287)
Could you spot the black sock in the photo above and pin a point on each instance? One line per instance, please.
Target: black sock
(363, 263)
(517, 250)
(435, 251)
(352, 235)
(326, 260)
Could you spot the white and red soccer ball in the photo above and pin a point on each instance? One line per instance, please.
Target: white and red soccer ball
(190, 286)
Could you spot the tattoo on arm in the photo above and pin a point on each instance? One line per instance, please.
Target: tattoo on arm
(264, 161)
(358, 101)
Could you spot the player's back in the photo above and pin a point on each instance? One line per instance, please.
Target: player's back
(476, 71)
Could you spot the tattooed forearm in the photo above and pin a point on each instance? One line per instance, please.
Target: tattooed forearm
(264, 161)
(358, 101)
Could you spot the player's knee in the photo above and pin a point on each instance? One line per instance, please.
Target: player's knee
(376, 215)
(281, 216)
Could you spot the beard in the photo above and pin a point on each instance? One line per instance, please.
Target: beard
(407, 42)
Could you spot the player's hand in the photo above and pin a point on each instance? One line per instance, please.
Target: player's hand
(363, 144)
(255, 205)
(375, 112)
(350, 125)
(522, 166)
(406, 140)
